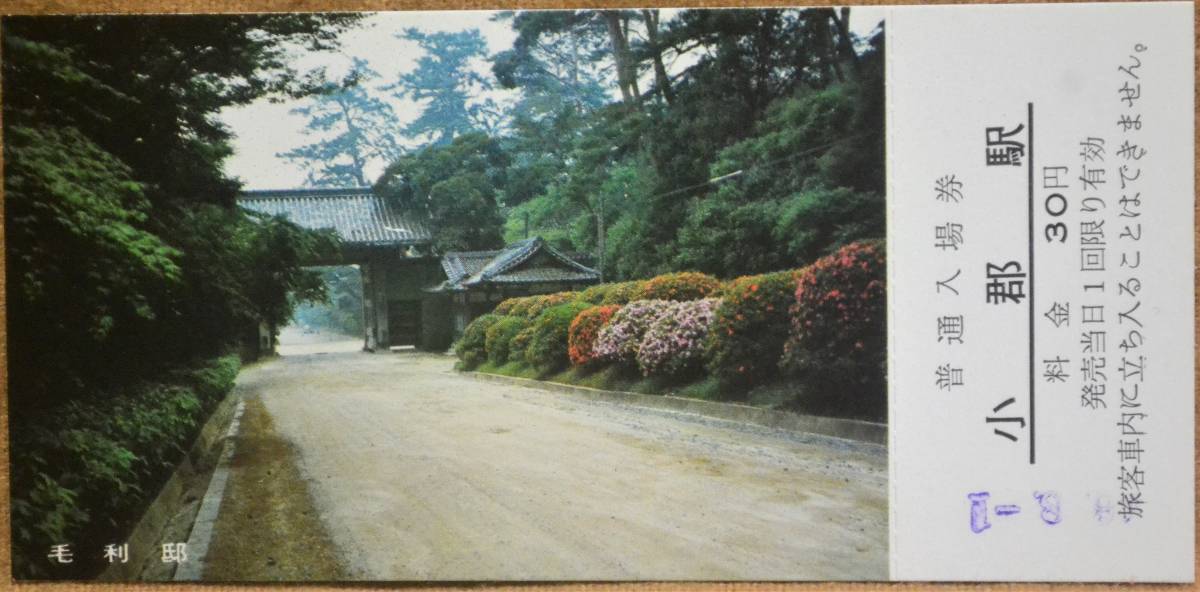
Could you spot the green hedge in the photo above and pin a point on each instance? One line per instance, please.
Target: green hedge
(499, 335)
(547, 350)
(89, 467)
(471, 348)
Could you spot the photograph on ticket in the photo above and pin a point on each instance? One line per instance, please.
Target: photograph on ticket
(812, 293)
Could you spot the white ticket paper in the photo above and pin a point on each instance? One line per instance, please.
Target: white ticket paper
(1040, 203)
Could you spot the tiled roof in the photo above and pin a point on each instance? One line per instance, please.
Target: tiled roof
(357, 215)
(511, 265)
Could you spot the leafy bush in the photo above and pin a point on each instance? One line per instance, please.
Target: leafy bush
(750, 327)
(682, 286)
(530, 307)
(520, 343)
(506, 306)
(90, 466)
(539, 304)
(584, 329)
(611, 293)
(674, 342)
(471, 348)
(838, 345)
(547, 349)
(619, 340)
(499, 335)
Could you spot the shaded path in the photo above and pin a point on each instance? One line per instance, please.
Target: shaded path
(419, 473)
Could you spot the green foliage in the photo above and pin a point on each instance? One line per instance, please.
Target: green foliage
(612, 293)
(679, 287)
(749, 329)
(499, 335)
(88, 467)
(838, 341)
(456, 184)
(122, 238)
(471, 348)
(519, 344)
(547, 349)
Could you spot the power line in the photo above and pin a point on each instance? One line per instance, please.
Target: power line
(739, 172)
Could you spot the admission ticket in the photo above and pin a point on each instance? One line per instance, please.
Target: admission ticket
(1040, 202)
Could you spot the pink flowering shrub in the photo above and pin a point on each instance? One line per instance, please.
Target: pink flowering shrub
(619, 340)
(674, 343)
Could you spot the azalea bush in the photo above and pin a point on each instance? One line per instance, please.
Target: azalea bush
(612, 293)
(519, 343)
(507, 306)
(750, 327)
(547, 349)
(674, 342)
(619, 340)
(838, 343)
(499, 335)
(583, 332)
(471, 348)
(687, 285)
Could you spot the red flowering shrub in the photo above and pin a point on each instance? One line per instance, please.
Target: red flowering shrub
(750, 326)
(679, 287)
(838, 343)
(584, 329)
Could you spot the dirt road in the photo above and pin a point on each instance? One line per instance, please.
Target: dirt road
(417, 472)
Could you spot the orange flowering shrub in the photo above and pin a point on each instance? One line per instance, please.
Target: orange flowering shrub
(838, 341)
(582, 334)
(749, 329)
(679, 287)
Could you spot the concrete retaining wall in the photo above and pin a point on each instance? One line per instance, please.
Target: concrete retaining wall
(849, 429)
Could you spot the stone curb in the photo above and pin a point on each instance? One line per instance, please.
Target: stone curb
(206, 518)
(847, 429)
(201, 457)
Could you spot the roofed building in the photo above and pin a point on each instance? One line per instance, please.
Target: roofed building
(411, 295)
(478, 280)
(392, 249)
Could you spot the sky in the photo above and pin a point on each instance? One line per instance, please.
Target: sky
(263, 129)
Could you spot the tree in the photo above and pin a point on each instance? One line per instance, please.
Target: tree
(457, 186)
(557, 61)
(446, 82)
(355, 129)
(122, 235)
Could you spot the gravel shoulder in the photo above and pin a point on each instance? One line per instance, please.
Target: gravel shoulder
(419, 473)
